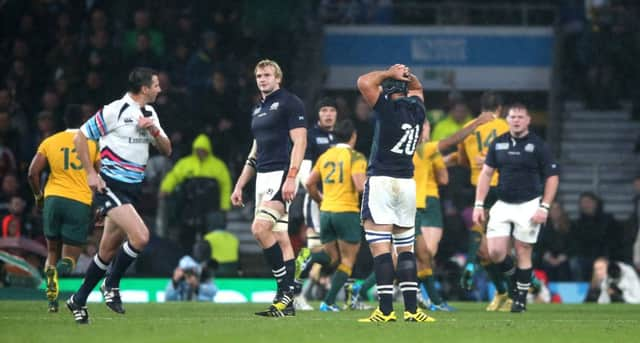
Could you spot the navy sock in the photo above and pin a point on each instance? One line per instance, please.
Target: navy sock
(408, 280)
(383, 266)
(523, 282)
(290, 267)
(126, 255)
(508, 268)
(95, 272)
(273, 255)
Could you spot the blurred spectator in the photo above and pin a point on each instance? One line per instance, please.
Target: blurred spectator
(99, 54)
(173, 105)
(595, 234)
(9, 142)
(192, 278)
(17, 116)
(143, 55)
(20, 81)
(93, 90)
(10, 188)
(217, 116)
(177, 64)
(183, 32)
(64, 58)
(201, 64)
(45, 127)
(553, 245)
(12, 222)
(458, 116)
(142, 24)
(224, 250)
(205, 185)
(614, 282)
(363, 121)
(50, 102)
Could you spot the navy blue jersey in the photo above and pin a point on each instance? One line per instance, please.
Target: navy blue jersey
(524, 165)
(271, 121)
(318, 141)
(397, 131)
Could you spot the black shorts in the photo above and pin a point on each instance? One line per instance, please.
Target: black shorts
(116, 193)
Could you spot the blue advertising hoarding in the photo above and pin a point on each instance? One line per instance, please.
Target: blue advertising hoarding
(467, 58)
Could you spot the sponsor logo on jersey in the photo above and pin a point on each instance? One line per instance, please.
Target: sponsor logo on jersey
(128, 120)
(274, 106)
(502, 146)
(322, 140)
(140, 140)
(529, 147)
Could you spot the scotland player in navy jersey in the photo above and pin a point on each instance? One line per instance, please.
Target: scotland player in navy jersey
(527, 184)
(389, 198)
(319, 139)
(278, 126)
(124, 128)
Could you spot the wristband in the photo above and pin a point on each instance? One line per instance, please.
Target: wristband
(544, 205)
(479, 204)
(544, 209)
(251, 162)
(155, 132)
(293, 172)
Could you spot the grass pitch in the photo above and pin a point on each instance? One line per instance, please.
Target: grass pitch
(28, 321)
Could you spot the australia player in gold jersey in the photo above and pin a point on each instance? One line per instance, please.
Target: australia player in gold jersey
(430, 171)
(66, 200)
(342, 172)
(472, 152)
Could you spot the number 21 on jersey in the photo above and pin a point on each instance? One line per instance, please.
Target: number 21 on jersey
(407, 144)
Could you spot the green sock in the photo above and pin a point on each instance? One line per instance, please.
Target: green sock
(535, 282)
(475, 238)
(430, 284)
(338, 280)
(369, 282)
(497, 277)
(65, 266)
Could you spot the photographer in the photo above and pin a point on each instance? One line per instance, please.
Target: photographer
(192, 280)
(614, 282)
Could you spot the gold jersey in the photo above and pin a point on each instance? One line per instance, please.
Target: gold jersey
(476, 145)
(67, 178)
(427, 160)
(336, 166)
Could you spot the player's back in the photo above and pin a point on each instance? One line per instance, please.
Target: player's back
(67, 178)
(336, 167)
(396, 135)
(477, 144)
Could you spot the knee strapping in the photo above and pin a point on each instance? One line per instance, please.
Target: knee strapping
(282, 224)
(377, 236)
(267, 214)
(405, 238)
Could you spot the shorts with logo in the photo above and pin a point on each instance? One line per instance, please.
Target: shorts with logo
(115, 194)
(344, 226)
(389, 200)
(66, 219)
(269, 188)
(431, 216)
(503, 215)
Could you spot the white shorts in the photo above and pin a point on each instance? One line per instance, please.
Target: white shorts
(311, 213)
(502, 215)
(269, 187)
(389, 200)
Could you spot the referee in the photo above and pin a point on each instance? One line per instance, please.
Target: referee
(527, 184)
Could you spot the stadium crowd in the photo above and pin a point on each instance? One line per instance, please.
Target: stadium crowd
(54, 54)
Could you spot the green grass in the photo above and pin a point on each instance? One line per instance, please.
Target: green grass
(28, 321)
